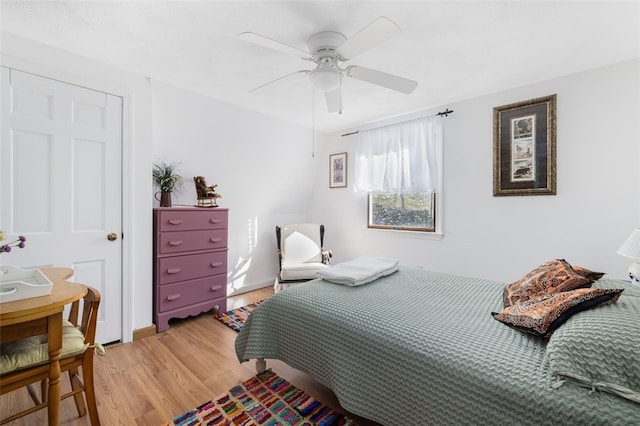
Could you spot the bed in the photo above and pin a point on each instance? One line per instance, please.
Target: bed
(421, 347)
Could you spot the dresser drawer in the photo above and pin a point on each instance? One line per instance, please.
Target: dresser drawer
(186, 293)
(176, 242)
(185, 220)
(180, 268)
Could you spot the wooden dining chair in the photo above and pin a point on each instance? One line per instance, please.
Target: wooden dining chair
(25, 362)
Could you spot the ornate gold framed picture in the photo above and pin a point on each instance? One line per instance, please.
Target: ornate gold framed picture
(524, 148)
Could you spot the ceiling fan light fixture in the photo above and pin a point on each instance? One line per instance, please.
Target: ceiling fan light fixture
(328, 49)
(325, 79)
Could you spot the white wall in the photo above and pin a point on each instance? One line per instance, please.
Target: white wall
(598, 187)
(263, 167)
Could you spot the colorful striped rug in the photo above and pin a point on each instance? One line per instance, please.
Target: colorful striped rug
(266, 400)
(235, 318)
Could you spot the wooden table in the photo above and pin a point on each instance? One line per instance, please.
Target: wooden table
(43, 315)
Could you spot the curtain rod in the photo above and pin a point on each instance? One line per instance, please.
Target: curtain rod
(439, 114)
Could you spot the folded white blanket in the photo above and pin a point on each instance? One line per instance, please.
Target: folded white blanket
(359, 271)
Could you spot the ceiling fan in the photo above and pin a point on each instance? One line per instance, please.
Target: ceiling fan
(327, 49)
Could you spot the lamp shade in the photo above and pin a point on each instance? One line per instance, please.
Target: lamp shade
(631, 247)
(325, 77)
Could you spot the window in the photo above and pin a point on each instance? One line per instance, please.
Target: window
(404, 211)
(400, 167)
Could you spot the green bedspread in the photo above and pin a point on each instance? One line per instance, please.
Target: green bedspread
(421, 348)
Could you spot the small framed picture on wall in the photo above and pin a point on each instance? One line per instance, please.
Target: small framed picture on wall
(338, 170)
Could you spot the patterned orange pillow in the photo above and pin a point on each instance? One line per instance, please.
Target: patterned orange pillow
(542, 316)
(587, 273)
(551, 277)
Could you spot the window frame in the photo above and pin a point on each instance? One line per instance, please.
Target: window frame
(434, 212)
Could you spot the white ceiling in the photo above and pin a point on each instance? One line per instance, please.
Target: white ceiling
(455, 50)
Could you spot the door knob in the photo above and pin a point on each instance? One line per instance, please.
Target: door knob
(112, 236)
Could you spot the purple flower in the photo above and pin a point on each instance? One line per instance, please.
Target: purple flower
(20, 243)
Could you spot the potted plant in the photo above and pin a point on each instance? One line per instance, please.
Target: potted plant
(167, 179)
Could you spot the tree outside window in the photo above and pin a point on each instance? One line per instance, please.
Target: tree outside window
(404, 211)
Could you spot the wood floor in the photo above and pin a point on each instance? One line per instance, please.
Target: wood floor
(154, 379)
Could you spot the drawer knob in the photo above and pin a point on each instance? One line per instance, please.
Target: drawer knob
(175, 243)
(216, 287)
(216, 264)
(175, 221)
(215, 240)
(173, 270)
(215, 220)
(173, 297)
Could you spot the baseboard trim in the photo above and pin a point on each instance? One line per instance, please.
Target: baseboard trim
(141, 333)
(250, 287)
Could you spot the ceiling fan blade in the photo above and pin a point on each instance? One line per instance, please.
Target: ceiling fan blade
(334, 100)
(383, 79)
(281, 80)
(271, 43)
(370, 36)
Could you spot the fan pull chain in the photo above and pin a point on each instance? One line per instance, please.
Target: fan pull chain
(313, 123)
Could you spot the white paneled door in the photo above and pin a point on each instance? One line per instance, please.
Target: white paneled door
(60, 184)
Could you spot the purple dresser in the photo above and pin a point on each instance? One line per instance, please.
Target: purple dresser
(190, 262)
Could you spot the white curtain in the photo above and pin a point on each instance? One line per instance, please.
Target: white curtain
(404, 157)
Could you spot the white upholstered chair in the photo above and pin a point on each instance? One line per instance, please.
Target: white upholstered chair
(300, 253)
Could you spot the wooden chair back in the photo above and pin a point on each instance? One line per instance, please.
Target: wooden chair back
(86, 321)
